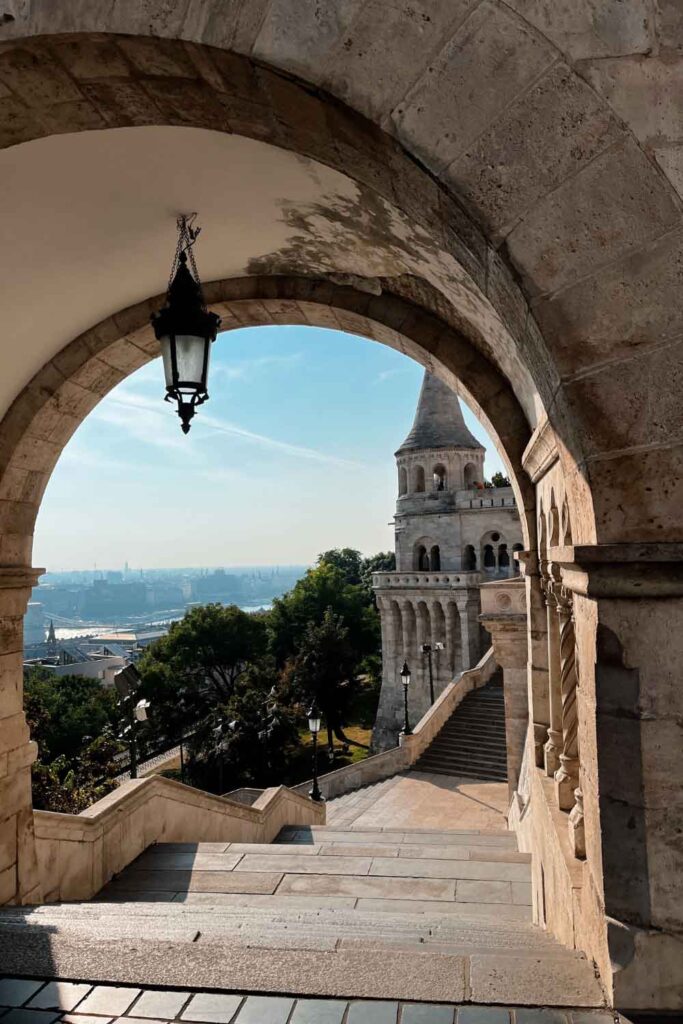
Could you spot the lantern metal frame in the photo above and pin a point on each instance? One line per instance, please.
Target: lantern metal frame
(185, 315)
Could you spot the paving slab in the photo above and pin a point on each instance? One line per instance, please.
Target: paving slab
(160, 1004)
(357, 850)
(338, 836)
(426, 1013)
(497, 840)
(265, 1010)
(482, 1015)
(523, 1016)
(507, 914)
(185, 862)
(279, 901)
(468, 891)
(476, 870)
(319, 1011)
(274, 849)
(59, 995)
(198, 881)
(17, 991)
(531, 982)
(212, 1007)
(372, 1013)
(24, 1016)
(378, 888)
(306, 865)
(116, 892)
(521, 893)
(85, 1018)
(114, 1000)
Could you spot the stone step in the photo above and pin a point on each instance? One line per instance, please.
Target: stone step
(464, 770)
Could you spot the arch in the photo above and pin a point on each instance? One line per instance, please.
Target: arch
(440, 477)
(488, 558)
(515, 562)
(553, 522)
(470, 475)
(402, 481)
(421, 558)
(435, 558)
(503, 556)
(469, 558)
(418, 479)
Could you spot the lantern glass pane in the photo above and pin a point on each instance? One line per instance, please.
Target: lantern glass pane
(190, 358)
(314, 724)
(166, 356)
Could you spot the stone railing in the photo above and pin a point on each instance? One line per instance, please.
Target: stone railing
(383, 766)
(80, 853)
(415, 578)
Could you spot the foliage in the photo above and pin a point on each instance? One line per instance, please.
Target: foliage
(347, 560)
(72, 719)
(324, 670)
(322, 588)
(499, 480)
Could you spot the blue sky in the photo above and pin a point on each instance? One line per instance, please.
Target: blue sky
(293, 454)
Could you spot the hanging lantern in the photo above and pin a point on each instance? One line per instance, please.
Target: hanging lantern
(185, 329)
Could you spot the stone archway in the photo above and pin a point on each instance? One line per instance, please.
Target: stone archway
(605, 320)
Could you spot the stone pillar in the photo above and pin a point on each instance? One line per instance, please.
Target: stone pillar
(567, 775)
(468, 608)
(553, 746)
(389, 720)
(19, 877)
(504, 616)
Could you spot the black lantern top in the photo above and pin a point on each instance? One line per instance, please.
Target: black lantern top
(185, 330)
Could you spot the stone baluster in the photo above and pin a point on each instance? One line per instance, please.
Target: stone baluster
(577, 831)
(554, 743)
(567, 775)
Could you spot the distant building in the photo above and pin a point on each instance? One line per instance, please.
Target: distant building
(94, 659)
(34, 623)
(451, 534)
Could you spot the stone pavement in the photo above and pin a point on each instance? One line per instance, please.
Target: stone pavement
(34, 1001)
(423, 800)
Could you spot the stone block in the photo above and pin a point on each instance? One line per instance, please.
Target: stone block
(160, 1005)
(97, 57)
(361, 1012)
(59, 995)
(543, 138)
(26, 1016)
(265, 1010)
(582, 28)
(288, 38)
(373, 888)
(468, 891)
(614, 205)
(647, 94)
(433, 120)
(483, 1015)
(17, 991)
(426, 1013)
(37, 80)
(13, 732)
(319, 1011)
(571, 983)
(122, 102)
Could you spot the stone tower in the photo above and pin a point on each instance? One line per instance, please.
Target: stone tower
(451, 534)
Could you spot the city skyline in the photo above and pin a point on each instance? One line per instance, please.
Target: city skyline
(292, 455)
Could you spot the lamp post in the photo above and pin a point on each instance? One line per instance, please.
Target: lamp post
(314, 723)
(405, 679)
(185, 329)
(427, 649)
(127, 683)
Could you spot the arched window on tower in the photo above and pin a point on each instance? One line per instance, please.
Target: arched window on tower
(489, 558)
(419, 479)
(469, 559)
(470, 474)
(435, 559)
(439, 473)
(421, 558)
(402, 481)
(503, 557)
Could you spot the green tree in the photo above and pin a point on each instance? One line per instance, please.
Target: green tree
(499, 480)
(383, 561)
(324, 670)
(321, 588)
(70, 785)
(349, 562)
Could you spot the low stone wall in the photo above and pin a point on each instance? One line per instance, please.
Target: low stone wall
(383, 766)
(79, 853)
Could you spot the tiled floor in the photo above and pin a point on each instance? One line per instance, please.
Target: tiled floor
(24, 1001)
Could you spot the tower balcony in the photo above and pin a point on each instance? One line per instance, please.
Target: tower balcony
(447, 580)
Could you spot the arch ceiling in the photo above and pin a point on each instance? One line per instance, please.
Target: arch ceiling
(555, 125)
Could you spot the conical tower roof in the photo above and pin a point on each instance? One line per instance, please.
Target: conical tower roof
(438, 421)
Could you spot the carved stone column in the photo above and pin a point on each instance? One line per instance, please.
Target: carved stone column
(468, 608)
(567, 775)
(554, 743)
(19, 877)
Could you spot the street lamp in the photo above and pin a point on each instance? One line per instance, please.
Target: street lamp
(314, 723)
(405, 679)
(185, 329)
(427, 649)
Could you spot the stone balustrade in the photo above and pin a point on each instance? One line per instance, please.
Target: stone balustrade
(397, 580)
(383, 766)
(79, 853)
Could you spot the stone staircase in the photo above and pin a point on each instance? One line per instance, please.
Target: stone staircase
(440, 915)
(472, 742)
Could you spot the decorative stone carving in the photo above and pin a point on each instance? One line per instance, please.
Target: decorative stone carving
(567, 775)
(553, 746)
(577, 831)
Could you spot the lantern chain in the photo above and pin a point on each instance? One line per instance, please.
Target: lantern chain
(187, 236)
